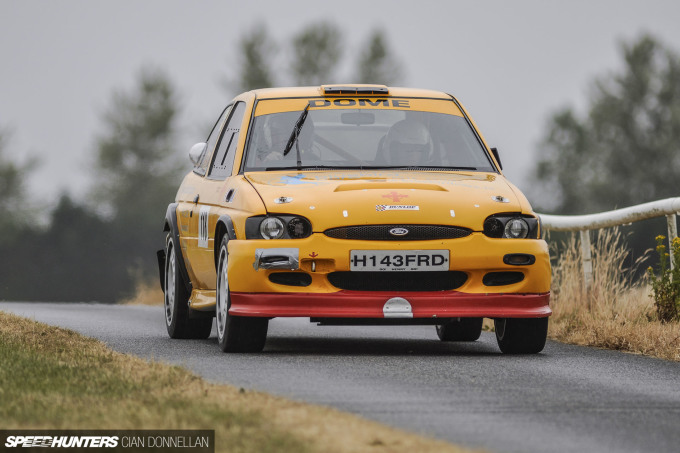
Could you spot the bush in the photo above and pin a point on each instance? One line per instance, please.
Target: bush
(666, 287)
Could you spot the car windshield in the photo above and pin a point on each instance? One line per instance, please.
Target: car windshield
(366, 138)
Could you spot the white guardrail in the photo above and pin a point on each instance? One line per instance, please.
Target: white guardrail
(584, 223)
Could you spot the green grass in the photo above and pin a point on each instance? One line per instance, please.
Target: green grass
(53, 378)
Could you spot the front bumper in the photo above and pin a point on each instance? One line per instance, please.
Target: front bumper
(318, 256)
(255, 293)
(364, 304)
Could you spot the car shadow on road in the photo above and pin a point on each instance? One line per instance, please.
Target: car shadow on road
(339, 346)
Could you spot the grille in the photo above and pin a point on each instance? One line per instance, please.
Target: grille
(382, 232)
(398, 281)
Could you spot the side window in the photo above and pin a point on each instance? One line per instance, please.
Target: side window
(204, 161)
(223, 162)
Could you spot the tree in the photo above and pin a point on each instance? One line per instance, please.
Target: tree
(14, 203)
(315, 53)
(137, 165)
(317, 50)
(626, 150)
(376, 63)
(256, 51)
(72, 259)
(137, 168)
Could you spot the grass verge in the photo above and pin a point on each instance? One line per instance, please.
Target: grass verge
(615, 313)
(55, 378)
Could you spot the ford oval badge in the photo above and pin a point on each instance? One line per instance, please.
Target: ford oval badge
(398, 231)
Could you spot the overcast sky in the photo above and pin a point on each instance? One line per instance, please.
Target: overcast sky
(511, 63)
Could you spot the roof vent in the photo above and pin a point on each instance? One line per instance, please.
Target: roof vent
(380, 90)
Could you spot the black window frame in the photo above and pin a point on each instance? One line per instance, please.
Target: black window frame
(207, 154)
(234, 139)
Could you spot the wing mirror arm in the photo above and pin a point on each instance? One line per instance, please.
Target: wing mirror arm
(498, 158)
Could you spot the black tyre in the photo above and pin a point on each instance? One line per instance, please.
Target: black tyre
(520, 335)
(460, 329)
(235, 333)
(176, 301)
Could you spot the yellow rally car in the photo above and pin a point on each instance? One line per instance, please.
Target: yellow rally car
(353, 204)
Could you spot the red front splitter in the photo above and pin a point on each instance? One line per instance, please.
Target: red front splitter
(368, 304)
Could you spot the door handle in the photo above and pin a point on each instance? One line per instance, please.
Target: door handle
(191, 214)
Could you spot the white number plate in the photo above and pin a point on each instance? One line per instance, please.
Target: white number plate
(399, 260)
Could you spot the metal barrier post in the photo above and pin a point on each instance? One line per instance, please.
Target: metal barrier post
(672, 234)
(587, 259)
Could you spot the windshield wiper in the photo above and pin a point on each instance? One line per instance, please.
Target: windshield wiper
(418, 167)
(316, 167)
(369, 167)
(293, 139)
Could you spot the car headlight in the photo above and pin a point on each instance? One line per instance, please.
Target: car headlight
(516, 228)
(299, 228)
(493, 227)
(280, 226)
(511, 226)
(272, 228)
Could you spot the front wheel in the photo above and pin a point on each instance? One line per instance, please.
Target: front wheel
(521, 335)
(235, 333)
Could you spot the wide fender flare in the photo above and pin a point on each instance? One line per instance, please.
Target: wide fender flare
(224, 227)
(172, 228)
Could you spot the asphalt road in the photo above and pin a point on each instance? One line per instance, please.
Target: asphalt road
(567, 399)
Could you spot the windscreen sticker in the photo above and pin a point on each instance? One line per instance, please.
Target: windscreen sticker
(203, 226)
(344, 102)
(396, 207)
(434, 105)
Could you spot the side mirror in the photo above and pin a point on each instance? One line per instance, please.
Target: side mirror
(498, 158)
(196, 152)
